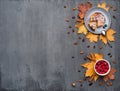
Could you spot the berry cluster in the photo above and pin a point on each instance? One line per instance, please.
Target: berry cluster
(102, 67)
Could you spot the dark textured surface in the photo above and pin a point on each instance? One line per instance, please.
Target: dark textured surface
(36, 51)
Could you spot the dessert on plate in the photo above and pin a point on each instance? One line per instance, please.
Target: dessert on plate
(96, 20)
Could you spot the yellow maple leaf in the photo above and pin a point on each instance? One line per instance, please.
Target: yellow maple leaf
(109, 36)
(103, 5)
(82, 29)
(90, 72)
(92, 37)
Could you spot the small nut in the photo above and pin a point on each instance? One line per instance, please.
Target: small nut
(81, 52)
(80, 81)
(73, 84)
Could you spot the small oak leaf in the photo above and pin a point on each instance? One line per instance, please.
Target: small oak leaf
(92, 37)
(82, 29)
(103, 5)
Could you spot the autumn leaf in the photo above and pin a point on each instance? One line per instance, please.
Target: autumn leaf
(92, 37)
(90, 65)
(103, 39)
(83, 8)
(103, 5)
(111, 75)
(109, 36)
(82, 29)
(77, 25)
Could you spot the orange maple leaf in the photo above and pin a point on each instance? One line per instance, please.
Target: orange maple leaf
(90, 65)
(103, 5)
(83, 8)
(110, 75)
(109, 36)
(92, 37)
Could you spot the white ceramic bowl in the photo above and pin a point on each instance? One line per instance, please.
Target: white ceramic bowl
(108, 69)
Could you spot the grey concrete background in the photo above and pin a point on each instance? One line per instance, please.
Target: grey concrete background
(36, 51)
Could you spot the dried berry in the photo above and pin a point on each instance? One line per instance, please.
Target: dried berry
(70, 27)
(114, 17)
(68, 32)
(80, 81)
(85, 78)
(75, 43)
(114, 8)
(67, 20)
(74, 9)
(73, 30)
(109, 54)
(73, 84)
(83, 40)
(88, 46)
(85, 58)
(79, 37)
(110, 83)
(81, 85)
(100, 83)
(114, 62)
(81, 52)
(64, 6)
(94, 47)
(100, 47)
(107, 84)
(73, 17)
(73, 57)
(90, 84)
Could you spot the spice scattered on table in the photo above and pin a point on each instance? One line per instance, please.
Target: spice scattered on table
(114, 8)
(100, 83)
(73, 57)
(73, 30)
(114, 17)
(67, 20)
(80, 81)
(110, 83)
(74, 9)
(88, 46)
(90, 84)
(73, 17)
(73, 84)
(100, 47)
(64, 6)
(83, 40)
(81, 52)
(68, 32)
(70, 26)
(94, 47)
(114, 62)
(75, 43)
